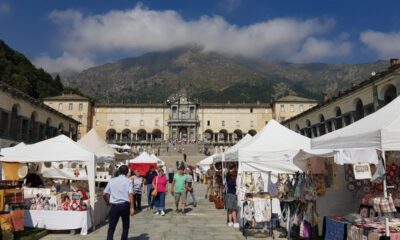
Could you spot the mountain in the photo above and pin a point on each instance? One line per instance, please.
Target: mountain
(155, 76)
(213, 77)
(17, 71)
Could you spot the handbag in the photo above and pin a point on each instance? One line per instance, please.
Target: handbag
(219, 204)
(155, 192)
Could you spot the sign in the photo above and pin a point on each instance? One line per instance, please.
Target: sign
(362, 171)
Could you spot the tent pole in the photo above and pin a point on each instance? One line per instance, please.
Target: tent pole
(385, 194)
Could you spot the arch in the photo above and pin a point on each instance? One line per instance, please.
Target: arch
(33, 125)
(338, 118)
(238, 134)
(15, 126)
(208, 134)
(297, 127)
(141, 135)
(48, 132)
(252, 132)
(389, 93)
(157, 134)
(111, 134)
(308, 131)
(358, 107)
(321, 127)
(126, 135)
(223, 135)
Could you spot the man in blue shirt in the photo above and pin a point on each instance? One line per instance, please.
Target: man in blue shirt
(150, 175)
(119, 194)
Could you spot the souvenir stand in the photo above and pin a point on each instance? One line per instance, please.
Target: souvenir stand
(266, 159)
(380, 130)
(45, 208)
(142, 163)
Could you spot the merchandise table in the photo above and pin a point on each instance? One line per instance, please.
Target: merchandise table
(336, 228)
(58, 220)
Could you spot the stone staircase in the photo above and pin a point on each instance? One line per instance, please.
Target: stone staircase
(192, 151)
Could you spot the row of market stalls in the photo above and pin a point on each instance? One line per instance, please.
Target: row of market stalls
(302, 183)
(66, 179)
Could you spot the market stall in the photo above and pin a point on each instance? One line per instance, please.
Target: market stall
(205, 163)
(60, 149)
(142, 163)
(231, 154)
(380, 131)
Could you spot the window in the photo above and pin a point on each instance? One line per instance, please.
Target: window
(191, 110)
(112, 123)
(282, 108)
(291, 108)
(251, 123)
(301, 108)
(60, 106)
(237, 123)
(141, 123)
(174, 109)
(223, 123)
(251, 110)
(156, 122)
(142, 110)
(80, 106)
(266, 122)
(208, 123)
(126, 122)
(70, 107)
(97, 122)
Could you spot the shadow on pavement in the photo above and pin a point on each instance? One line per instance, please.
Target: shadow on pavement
(143, 236)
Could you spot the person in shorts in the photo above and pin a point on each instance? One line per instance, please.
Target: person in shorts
(210, 174)
(231, 202)
(178, 189)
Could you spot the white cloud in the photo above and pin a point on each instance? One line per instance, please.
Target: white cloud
(4, 8)
(384, 44)
(141, 30)
(230, 5)
(65, 62)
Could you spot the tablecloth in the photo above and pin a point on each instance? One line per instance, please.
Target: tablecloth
(58, 220)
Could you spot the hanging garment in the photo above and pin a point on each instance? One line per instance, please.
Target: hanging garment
(276, 207)
(248, 211)
(259, 184)
(268, 211)
(319, 184)
(10, 171)
(272, 187)
(317, 165)
(298, 187)
(249, 182)
(259, 210)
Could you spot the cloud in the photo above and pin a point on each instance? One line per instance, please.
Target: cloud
(65, 62)
(384, 44)
(4, 8)
(229, 5)
(140, 30)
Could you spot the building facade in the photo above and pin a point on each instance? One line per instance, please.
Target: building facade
(25, 119)
(349, 106)
(179, 118)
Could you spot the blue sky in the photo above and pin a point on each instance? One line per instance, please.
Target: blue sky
(74, 35)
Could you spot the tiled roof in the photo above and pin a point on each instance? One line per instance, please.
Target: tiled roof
(67, 97)
(292, 98)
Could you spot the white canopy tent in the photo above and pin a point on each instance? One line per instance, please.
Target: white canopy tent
(126, 147)
(380, 130)
(96, 144)
(144, 157)
(272, 149)
(205, 163)
(57, 149)
(231, 154)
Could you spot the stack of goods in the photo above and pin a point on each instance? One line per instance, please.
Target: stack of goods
(11, 205)
(48, 199)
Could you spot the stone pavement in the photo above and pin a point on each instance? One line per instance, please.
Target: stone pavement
(202, 222)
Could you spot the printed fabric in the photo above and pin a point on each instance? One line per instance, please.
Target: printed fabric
(272, 188)
(262, 210)
(335, 230)
(355, 233)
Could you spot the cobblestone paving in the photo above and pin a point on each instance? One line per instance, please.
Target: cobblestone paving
(202, 222)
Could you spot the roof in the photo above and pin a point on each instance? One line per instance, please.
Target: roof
(67, 97)
(293, 98)
(19, 94)
(347, 92)
(202, 105)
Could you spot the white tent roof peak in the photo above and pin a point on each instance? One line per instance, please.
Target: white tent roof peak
(380, 130)
(96, 144)
(144, 157)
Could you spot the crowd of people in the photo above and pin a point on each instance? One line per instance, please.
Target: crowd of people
(124, 193)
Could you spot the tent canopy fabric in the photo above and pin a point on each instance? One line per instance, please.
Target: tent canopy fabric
(144, 157)
(380, 130)
(272, 149)
(230, 155)
(341, 156)
(96, 144)
(126, 147)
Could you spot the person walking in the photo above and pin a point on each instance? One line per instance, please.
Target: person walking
(231, 198)
(160, 183)
(119, 194)
(178, 189)
(190, 185)
(138, 188)
(210, 174)
(150, 175)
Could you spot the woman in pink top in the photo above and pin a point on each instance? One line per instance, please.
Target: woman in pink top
(160, 183)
